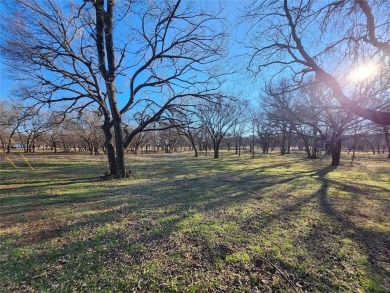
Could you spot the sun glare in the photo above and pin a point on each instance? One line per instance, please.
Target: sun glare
(363, 72)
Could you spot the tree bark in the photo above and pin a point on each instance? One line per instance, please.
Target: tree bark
(107, 67)
(387, 137)
(307, 147)
(216, 144)
(194, 147)
(110, 151)
(336, 150)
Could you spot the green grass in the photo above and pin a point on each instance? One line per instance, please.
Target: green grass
(184, 224)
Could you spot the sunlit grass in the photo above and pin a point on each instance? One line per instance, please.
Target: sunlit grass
(184, 224)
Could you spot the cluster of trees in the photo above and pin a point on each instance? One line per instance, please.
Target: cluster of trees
(312, 47)
(154, 54)
(289, 120)
(26, 127)
(320, 124)
(326, 40)
(199, 127)
(133, 70)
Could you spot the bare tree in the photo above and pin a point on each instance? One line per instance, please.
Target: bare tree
(169, 139)
(12, 117)
(278, 105)
(88, 128)
(219, 117)
(237, 134)
(91, 54)
(264, 131)
(190, 126)
(34, 127)
(296, 112)
(310, 114)
(327, 39)
(139, 141)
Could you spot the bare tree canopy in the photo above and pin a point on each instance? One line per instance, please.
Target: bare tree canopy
(135, 58)
(341, 43)
(220, 117)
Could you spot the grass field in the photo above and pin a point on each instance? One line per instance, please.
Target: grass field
(184, 224)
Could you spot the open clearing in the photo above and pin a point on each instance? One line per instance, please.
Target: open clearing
(184, 224)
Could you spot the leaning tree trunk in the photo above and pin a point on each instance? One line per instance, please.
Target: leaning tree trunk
(193, 144)
(307, 147)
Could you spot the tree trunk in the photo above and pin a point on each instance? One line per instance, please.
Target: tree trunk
(107, 67)
(253, 144)
(284, 140)
(28, 142)
(387, 137)
(90, 147)
(2, 144)
(194, 147)
(307, 147)
(110, 151)
(216, 148)
(336, 150)
(283, 144)
(355, 139)
(289, 140)
(216, 152)
(239, 146)
(283, 148)
(119, 147)
(9, 146)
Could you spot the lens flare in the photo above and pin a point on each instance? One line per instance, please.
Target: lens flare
(363, 72)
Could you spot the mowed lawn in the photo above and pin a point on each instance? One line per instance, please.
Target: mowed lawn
(182, 224)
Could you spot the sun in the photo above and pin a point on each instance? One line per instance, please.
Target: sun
(363, 72)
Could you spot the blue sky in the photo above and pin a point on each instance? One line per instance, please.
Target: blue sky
(5, 83)
(241, 84)
(229, 12)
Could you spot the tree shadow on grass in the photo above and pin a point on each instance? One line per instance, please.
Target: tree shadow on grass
(147, 214)
(376, 243)
(187, 192)
(319, 241)
(48, 182)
